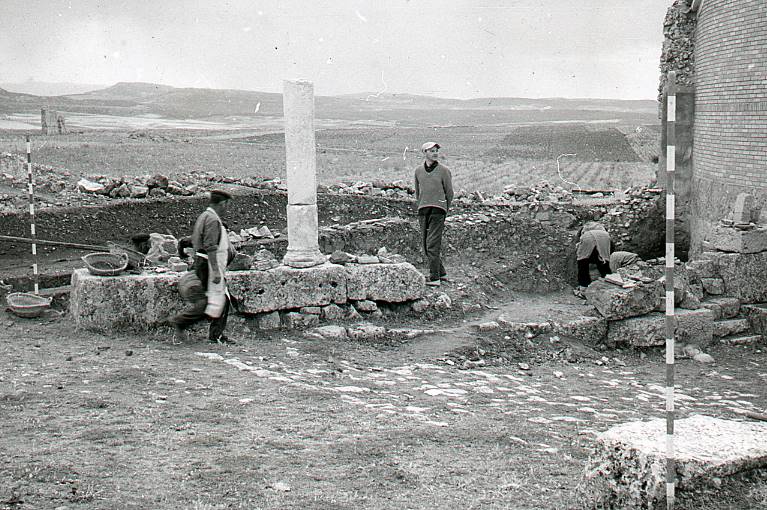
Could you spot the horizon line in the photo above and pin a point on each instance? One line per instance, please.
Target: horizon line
(360, 93)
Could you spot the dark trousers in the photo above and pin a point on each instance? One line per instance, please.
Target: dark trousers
(198, 301)
(584, 278)
(432, 221)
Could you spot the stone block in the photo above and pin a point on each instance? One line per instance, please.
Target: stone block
(627, 466)
(241, 262)
(526, 328)
(487, 326)
(296, 320)
(615, 302)
(132, 302)
(742, 274)
(269, 320)
(311, 310)
(741, 211)
(366, 305)
(692, 326)
(730, 239)
(713, 286)
(420, 305)
(723, 307)
(384, 282)
(757, 317)
(329, 332)
(285, 288)
(332, 312)
(352, 314)
(591, 330)
(742, 340)
(703, 268)
(366, 332)
(727, 327)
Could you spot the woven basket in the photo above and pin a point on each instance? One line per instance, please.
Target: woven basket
(27, 305)
(106, 264)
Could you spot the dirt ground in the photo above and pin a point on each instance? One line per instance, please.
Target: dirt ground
(455, 419)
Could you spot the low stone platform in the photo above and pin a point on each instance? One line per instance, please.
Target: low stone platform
(692, 326)
(139, 302)
(627, 467)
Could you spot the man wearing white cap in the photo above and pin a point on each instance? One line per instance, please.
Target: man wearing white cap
(208, 295)
(433, 195)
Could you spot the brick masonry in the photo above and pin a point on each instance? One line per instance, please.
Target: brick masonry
(730, 131)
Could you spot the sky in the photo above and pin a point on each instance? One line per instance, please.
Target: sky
(447, 48)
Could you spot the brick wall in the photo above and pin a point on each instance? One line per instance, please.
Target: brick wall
(730, 131)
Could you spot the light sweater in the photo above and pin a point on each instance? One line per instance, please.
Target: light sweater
(598, 239)
(434, 188)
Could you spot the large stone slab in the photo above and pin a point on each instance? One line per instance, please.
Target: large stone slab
(743, 274)
(732, 239)
(627, 467)
(615, 302)
(134, 302)
(692, 326)
(285, 288)
(393, 283)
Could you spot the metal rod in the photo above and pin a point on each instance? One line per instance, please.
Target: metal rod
(670, 319)
(54, 243)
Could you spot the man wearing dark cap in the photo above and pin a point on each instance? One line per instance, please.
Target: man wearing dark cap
(433, 195)
(212, 254)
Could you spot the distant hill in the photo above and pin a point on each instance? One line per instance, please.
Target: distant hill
(42, 88)
(137, 98)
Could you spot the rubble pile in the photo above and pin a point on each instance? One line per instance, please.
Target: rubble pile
(394, 189)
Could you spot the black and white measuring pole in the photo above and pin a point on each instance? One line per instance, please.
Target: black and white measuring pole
(670, 319)
(32, 232)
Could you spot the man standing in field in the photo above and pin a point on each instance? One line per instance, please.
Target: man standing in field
(433, 195)
(212, 254)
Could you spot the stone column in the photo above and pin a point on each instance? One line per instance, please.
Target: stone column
(301, 159)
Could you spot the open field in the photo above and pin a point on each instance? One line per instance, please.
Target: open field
(279, 421)
(483, 158)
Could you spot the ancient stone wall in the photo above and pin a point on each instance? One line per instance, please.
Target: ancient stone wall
(678, 55)
(52, 122)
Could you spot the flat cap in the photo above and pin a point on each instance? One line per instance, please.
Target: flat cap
(217, 196)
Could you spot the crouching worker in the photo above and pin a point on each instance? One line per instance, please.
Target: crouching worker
(204, 286)
(620, 259)
(593, 247)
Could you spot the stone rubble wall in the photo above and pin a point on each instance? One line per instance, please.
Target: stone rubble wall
(678, 51)
(532, 238)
